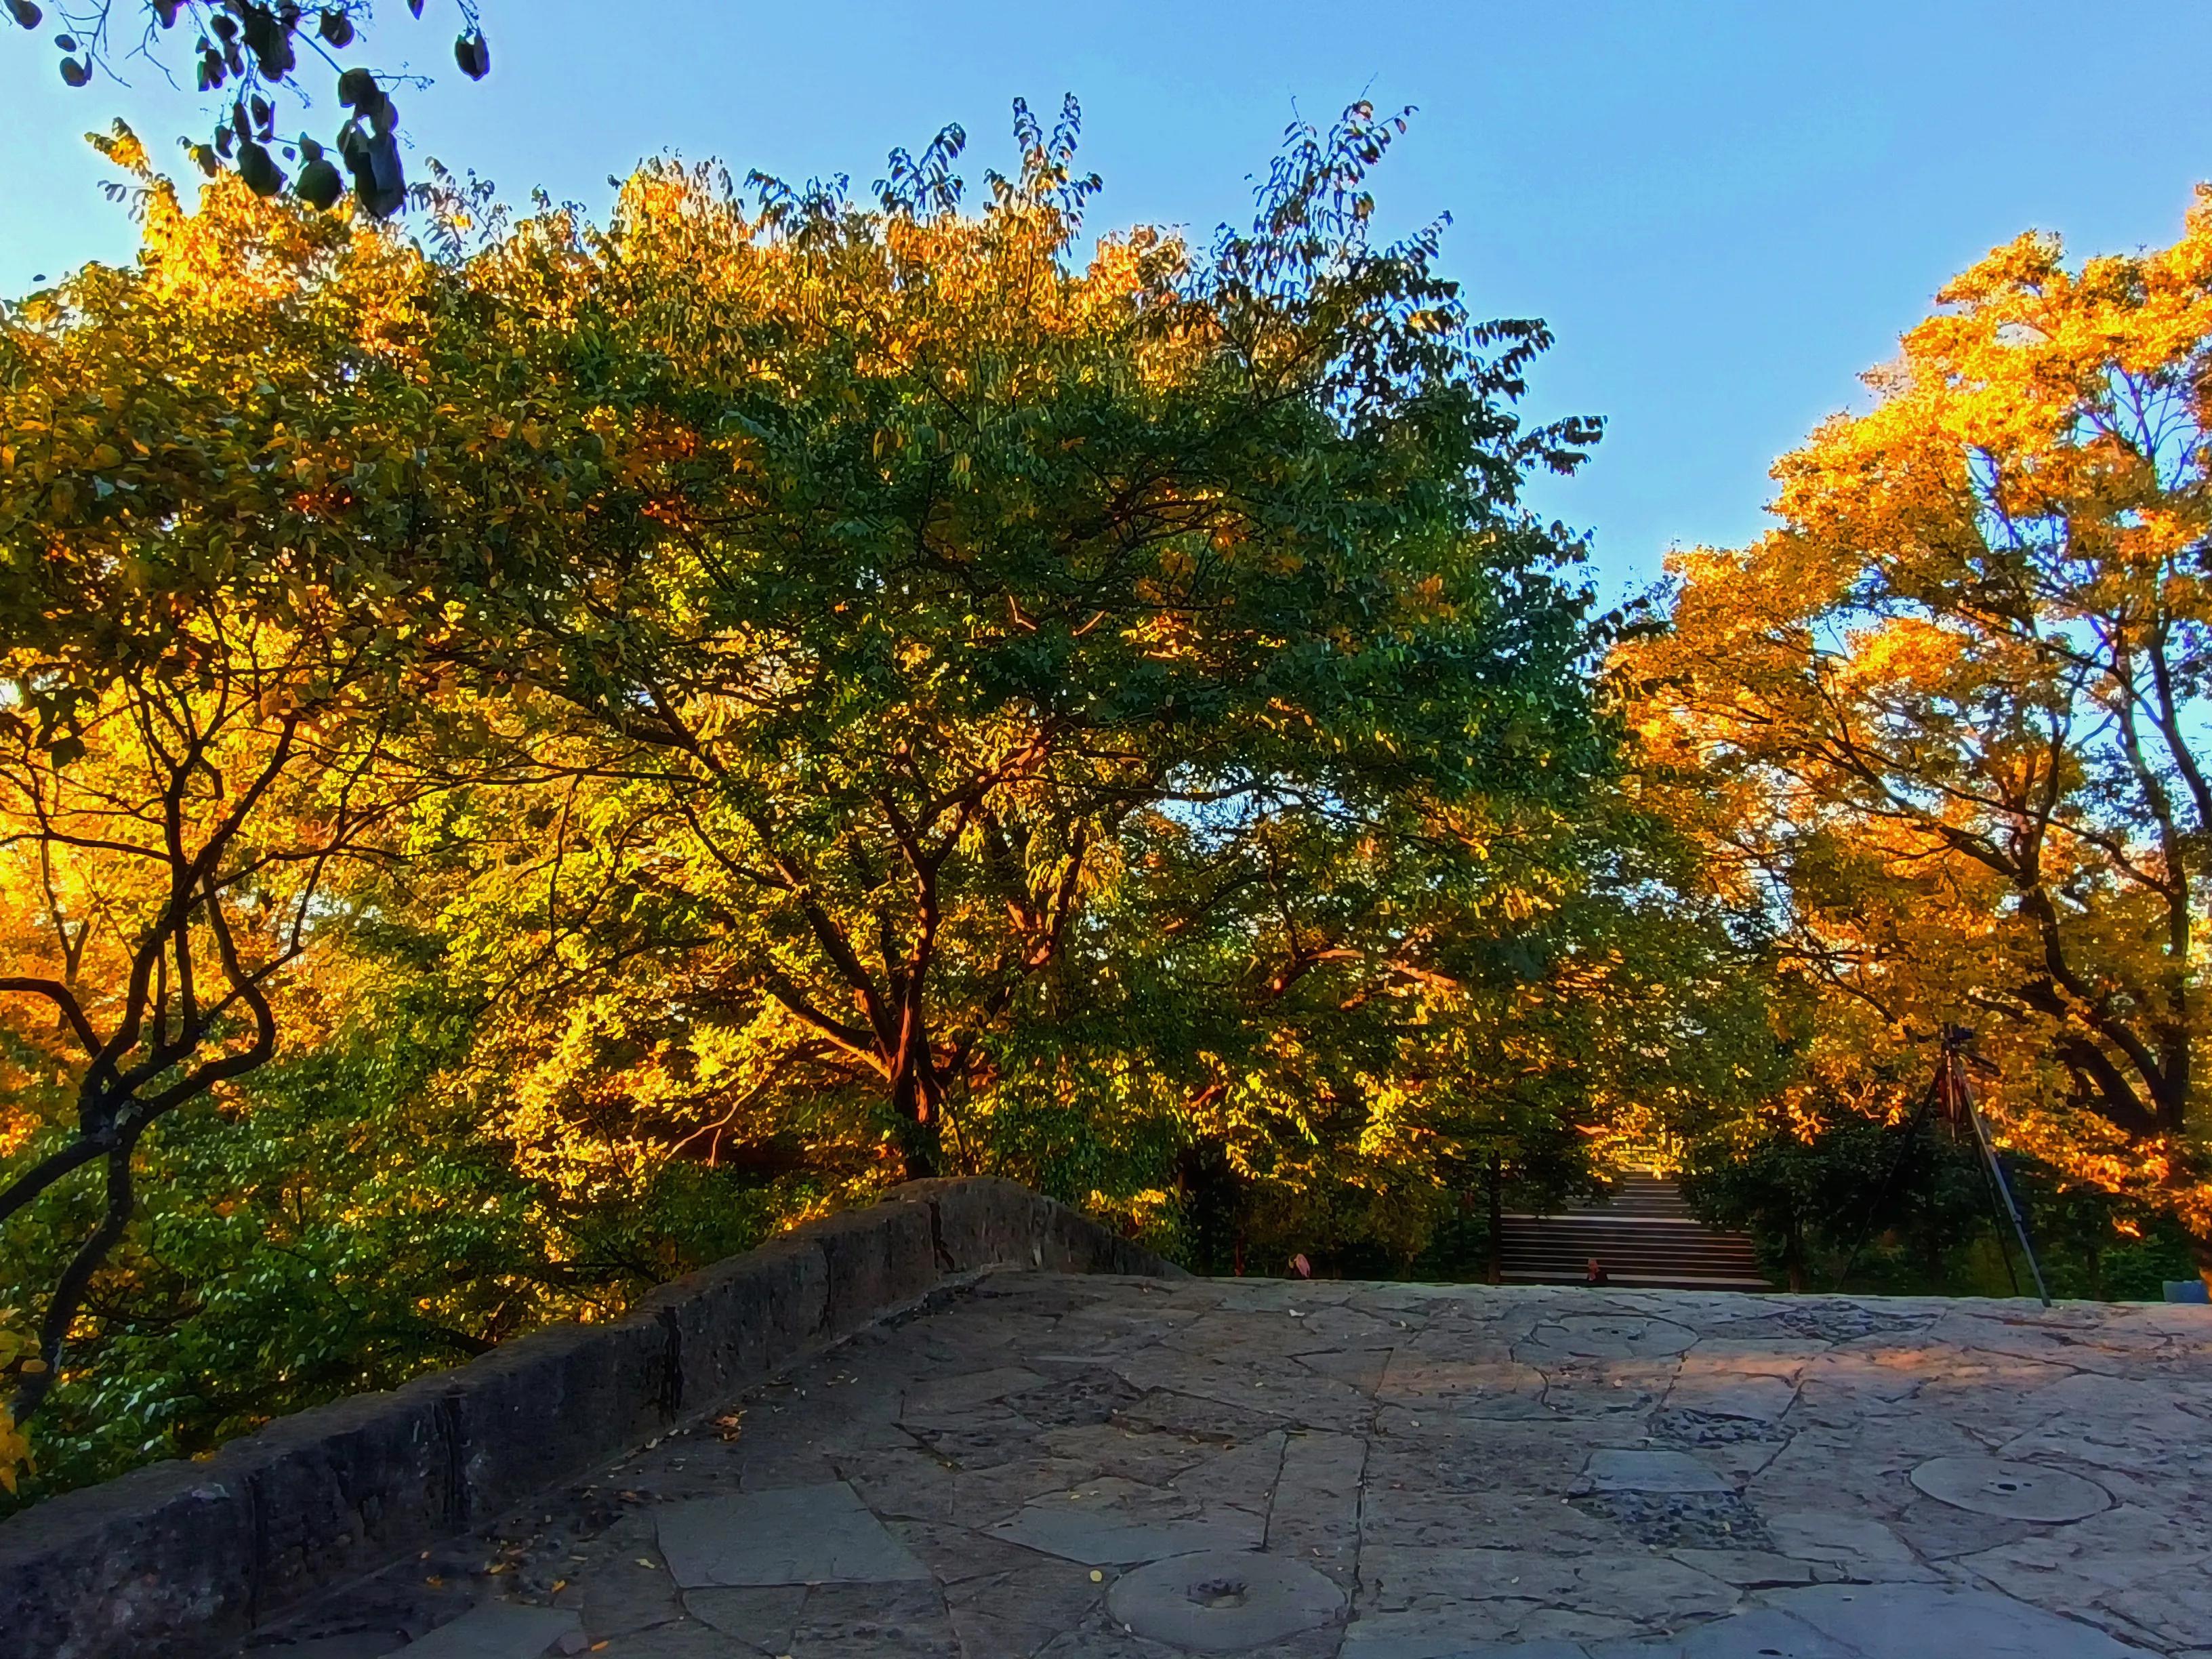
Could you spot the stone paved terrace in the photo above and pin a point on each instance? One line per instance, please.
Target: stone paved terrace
(1105, 1467)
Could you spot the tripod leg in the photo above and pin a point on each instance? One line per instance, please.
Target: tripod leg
(1997, 1208)
(2004, 1188)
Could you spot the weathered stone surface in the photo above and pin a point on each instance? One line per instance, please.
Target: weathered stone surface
(1926, 1621)
(736, 1321)
(1683, 1522)
(1023, 1604)
(341, 1488)
(625, 1593)
(1651, 1471)
(1492, 1595)
(1753, 1568)
(1754, 1633)
(1540, 1473)
(1712, 1387)
(877, 1258)
(181, 1559)
(538, 1409)
(686, 1638)
(1857, 1546)
(1073, 1243)
(933, 1400)
(763, 1617)
(497, 1630)
(1314, 1513)
(2130, 1562)
(170, 1554)
(872, 1621)
(982, 1222)
(158, 1556)
(1363, 1369)
(1115, 1523)
(360, 1644)
(797, 1535)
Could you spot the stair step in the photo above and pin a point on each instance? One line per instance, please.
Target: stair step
(1584, 1253)
(1642, 1235)
(1576, 1267)
(1586, 1246)
(1626, 1247)
(1715, 1258)
(1647, 1281)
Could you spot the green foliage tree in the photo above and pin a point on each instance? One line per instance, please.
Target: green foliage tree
(1810, 1200)
(801, 692)
(341, 1222)
(966, 581)
(1912, 1210)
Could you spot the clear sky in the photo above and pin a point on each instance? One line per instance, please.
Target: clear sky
(1724, 211)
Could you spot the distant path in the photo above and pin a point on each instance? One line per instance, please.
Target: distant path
(1645, 1236)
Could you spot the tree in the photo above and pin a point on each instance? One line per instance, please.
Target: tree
(247, 61)
(810, 692)
(1484, 998)
(1945, 722)
(1822, 1184)
(343, 1219)
(182, 858)
(957, 566)
(227, 593)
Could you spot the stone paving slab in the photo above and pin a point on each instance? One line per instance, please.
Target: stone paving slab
(502, 1630)
(790, 1535)
(1081, 1467)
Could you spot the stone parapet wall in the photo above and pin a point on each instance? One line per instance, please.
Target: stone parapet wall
(180, 1558)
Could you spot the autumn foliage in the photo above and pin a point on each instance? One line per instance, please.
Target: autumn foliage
(536, 752)
(1945, 725)
(540, 752)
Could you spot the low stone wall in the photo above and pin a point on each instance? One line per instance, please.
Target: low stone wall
(177, 1557)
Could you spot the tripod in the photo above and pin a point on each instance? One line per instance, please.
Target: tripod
(1952, 1089)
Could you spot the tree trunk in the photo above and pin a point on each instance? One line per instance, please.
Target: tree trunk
(920, 1135)
(1494, 1189)
(1208, 1187)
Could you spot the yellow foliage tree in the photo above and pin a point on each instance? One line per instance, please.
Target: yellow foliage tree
(19, 1351)
(228, 600)
(1948, 723)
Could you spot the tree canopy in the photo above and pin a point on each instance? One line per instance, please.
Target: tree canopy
(1945, 725)
(768, 694)
(536, 751)
(1007, 561)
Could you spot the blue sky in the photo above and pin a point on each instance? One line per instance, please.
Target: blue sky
(1724, 211)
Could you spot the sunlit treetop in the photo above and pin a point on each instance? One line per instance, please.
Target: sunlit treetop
(1950, 713)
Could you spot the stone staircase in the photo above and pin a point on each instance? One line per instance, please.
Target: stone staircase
(1644, 1235)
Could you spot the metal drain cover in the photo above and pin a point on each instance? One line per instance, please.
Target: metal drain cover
(1223, 1601)
(2012, 1492)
